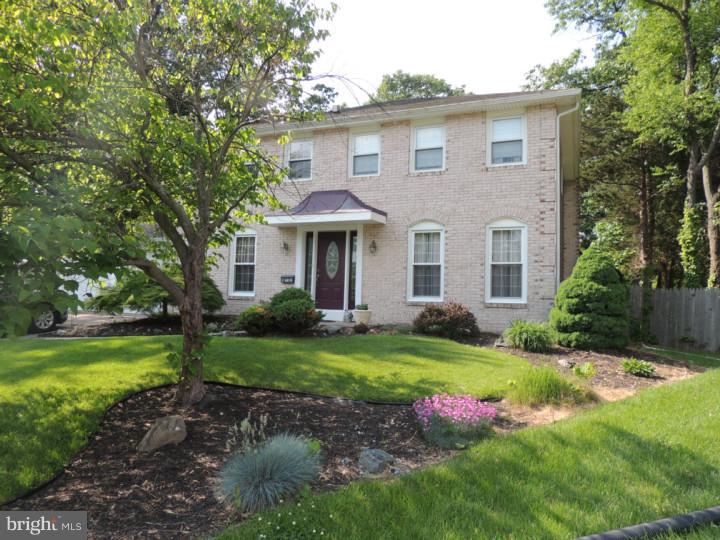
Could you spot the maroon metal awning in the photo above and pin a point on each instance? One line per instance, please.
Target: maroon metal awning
(333, 206)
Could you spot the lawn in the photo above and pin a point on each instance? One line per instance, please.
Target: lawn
(53, 392)
(647, 457)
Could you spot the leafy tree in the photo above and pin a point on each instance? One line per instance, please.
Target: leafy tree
(591, 306)
(136, 290)
(150, 108)
(672, 94)
(402, 85)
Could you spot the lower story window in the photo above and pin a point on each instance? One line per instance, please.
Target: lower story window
(426, 258)
(507, 262)
(244, 265)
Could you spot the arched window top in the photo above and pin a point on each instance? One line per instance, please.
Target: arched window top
(427, 225)
(506, 223)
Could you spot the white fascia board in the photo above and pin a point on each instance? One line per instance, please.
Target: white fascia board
(350, 217)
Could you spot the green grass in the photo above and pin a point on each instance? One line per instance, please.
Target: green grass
(704, 359)
(623, 463)
(53, 392)
(544, 385)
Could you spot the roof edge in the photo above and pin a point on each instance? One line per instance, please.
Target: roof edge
(433, 108)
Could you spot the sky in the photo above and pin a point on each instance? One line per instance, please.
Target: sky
(487, 45)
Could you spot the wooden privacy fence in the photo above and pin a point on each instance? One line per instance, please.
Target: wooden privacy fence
(682, 317)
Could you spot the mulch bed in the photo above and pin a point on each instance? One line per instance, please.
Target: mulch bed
(172, 492)
(610, 378)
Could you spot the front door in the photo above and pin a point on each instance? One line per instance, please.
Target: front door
(330, 286)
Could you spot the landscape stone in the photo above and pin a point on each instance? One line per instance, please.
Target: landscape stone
(165, 430)
(374, 460)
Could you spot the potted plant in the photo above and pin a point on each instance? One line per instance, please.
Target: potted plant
(362, 314)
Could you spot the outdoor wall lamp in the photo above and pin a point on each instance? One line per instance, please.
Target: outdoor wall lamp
(285, 248)
(373, 247)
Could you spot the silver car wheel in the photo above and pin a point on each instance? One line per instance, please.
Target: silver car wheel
(45, 320)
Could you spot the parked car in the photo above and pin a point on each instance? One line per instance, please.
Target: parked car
(47, 320)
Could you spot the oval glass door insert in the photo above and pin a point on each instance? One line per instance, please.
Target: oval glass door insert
(332, 260)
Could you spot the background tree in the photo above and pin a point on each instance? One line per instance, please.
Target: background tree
(137, 291)
(666, 114)
(402, 85)
(150, 107)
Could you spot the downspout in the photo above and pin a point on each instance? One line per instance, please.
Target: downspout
(559, 194)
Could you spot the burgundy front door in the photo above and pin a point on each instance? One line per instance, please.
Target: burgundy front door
(330, 287)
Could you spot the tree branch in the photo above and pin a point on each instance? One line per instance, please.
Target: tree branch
(166, 282)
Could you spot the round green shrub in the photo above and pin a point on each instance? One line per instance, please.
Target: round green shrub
(256, 321)
(530, 336)
(295, 316)
(450, 320)
(591, 306)
(291, 293)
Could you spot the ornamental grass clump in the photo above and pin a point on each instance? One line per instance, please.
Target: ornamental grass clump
(545, 386)
(454, 421)
(261, 476)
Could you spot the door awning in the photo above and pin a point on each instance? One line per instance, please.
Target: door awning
(335, 206)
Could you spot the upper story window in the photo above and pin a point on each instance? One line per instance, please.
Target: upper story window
(243, 257)
(507, 140)
(429, 148)
(300, 160)
(365, 154)
(506, 264)
(426, 266)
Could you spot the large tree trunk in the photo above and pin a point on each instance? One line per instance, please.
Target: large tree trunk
(190, 386)
(713, 232)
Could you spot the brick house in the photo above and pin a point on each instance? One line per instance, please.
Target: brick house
(468, 198)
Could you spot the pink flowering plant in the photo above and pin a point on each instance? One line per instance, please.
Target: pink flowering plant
(454, 421)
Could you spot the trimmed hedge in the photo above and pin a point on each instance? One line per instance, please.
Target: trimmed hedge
(591, 307)
(291, 311)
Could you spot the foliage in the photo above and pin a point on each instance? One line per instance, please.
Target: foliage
(260, 477)
(591, 306)
(402, 85)
(148, 109)
(454, 421)
(295, 316)
(361, 307)
(135, 290)
(639, 368)
(256, 321)
(530, 336)
(545, 386)
(450, 320)
(586, 370)
(693, 248)
(248, 434)
(291, 293)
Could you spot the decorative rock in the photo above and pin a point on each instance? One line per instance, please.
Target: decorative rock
(399, 469)
(500, 343)
(566, 363)
(165, 430)
(374, 461)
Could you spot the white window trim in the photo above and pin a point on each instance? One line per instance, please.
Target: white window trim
(489, 137)
(503, 225)
(232, 293)
(425, 226)
(413, 142)
(351, 152)
(286, 158)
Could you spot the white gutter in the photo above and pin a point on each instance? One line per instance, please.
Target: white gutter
(558, 195)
